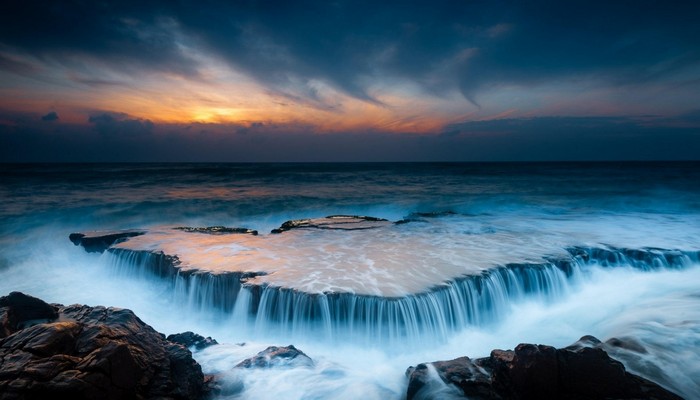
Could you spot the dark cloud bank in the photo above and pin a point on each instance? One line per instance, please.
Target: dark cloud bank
(116, 137)
(50, 117)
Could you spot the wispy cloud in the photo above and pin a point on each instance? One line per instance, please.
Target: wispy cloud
(352, 45)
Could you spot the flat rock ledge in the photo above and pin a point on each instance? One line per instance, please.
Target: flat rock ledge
(99, 241)
(81, 352)
(217, 230)
(582, 371)
(335, 222)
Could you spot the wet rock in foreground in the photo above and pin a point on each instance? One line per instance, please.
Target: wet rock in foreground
(99, 241)
(338, 222)
(274, 356)
(581, 371)
(191, 339)
(83, 352)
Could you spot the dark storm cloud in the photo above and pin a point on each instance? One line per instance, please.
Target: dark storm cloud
(116, 137)
(580, 138)
(127, 35)
(439, 45)
(120, 124)
(50, 117)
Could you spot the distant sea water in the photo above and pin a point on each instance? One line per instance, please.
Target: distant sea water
(475, 216)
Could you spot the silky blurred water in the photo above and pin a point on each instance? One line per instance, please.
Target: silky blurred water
(498, 213)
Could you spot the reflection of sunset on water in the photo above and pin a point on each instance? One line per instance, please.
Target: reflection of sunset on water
(216, 192)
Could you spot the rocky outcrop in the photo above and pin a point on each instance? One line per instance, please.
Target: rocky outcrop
(99, 241)
(82, 352)
(217, 230)
(581, 371)
(337, 222)
(191, 339)
(273, 356)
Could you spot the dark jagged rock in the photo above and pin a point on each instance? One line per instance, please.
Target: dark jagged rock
(87, 352)
(191, 339)
(338, 222)
(97, 242)
(17, 311)
(274, 356)
(218, 230)
(581, 372)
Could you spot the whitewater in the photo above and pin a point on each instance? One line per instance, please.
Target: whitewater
(474, 257)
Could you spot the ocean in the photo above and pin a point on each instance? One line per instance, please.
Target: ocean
(472, 257)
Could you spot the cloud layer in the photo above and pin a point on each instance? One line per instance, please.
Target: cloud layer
(469, 73)
(119, 138)
(439, 46)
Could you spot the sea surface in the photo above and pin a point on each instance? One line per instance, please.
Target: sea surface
(457, 221)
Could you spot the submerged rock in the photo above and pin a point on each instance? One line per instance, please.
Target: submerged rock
(581, 371)
(339, 222)
(453, 372)
(217, 230)
(421, 216)
(99, 241)
(625, 343)
(87, 352)
(191, 339)
(273, 356)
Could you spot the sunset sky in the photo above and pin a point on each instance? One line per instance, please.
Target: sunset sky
(349, 81)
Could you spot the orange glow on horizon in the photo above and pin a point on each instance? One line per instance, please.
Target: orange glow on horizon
(227, 98)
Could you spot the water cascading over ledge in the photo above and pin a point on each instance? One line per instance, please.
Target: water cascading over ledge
(445, 308)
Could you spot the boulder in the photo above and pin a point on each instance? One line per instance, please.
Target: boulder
(84, 352)
(18, 310)
(274, 356)
(582, 371)
(191, 339)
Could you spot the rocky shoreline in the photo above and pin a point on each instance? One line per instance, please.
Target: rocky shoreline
(83, 352)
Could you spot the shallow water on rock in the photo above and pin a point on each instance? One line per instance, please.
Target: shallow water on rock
(394, 260)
